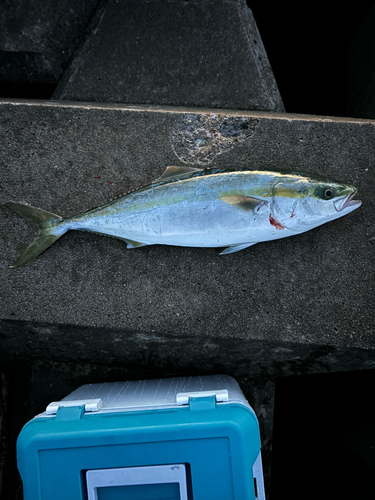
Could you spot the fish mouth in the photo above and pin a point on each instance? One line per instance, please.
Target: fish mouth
(348, 202)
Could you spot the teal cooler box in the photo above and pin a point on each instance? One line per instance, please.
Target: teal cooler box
(188, 438)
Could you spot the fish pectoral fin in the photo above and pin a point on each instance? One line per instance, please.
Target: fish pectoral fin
(245, 204)
(237, 248)
(176, 172)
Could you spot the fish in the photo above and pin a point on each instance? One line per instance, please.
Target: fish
(211, 207)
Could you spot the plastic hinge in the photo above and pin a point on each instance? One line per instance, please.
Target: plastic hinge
(65, 413)
(183, 398)
(89, 404)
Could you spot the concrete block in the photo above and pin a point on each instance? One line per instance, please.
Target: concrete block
(173, 52)
(38, 37)
(315, 288)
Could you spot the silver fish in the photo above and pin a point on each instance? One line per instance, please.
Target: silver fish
(204, 208)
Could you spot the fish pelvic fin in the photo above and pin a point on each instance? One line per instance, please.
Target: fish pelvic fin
(47, 223)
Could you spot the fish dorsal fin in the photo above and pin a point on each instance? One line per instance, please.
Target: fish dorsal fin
(246, 204)
(176, 172)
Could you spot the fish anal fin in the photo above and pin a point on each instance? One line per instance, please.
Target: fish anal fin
(245, 204)
(237, 248)
(129, 243)
(176, 172)
(134, 244)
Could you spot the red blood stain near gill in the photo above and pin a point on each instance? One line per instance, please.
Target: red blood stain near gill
(276, 224)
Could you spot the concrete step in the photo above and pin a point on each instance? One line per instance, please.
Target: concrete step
(315, 288)
(38, 37)
(196, 53)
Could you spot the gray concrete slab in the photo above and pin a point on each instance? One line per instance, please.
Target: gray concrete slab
(173, 52)
(38, 37)
(315, 289)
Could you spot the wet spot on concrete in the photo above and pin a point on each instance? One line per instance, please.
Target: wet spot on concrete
(198, 138)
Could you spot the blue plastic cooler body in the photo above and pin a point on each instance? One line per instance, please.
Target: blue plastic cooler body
(218, 443)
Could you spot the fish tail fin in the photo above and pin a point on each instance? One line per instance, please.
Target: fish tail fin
(47, 227)
(38, 246)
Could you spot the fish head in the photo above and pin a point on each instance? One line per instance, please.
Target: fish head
(300, 202)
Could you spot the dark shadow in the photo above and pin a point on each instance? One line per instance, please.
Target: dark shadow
(324, 437)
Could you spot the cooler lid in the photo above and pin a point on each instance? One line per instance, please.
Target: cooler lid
(151, 394)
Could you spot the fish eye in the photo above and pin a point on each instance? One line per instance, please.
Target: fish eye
(328, 193)
(325, 192)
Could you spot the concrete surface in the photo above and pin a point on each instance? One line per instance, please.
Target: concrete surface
(315, 288)
(173, 52)
(38, 37)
